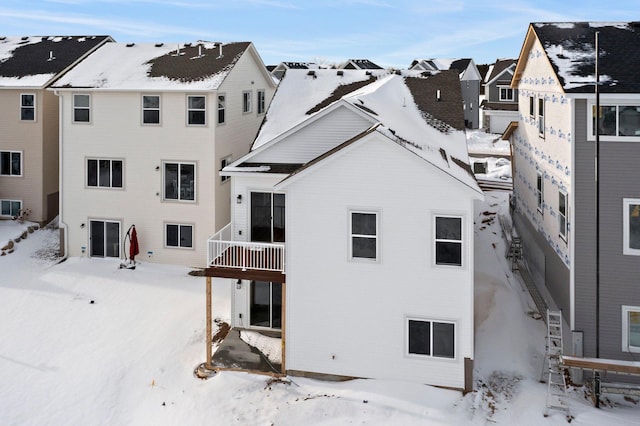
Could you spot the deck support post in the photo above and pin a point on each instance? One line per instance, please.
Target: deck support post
(283, 329)
(208, 327)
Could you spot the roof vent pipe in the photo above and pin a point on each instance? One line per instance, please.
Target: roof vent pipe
(51, 57)
(199, 50)
(438, 97)
(220, 55)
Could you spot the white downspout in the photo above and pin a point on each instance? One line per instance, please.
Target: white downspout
(62, 225)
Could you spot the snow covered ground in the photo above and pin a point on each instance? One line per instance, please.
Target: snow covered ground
(86, 343)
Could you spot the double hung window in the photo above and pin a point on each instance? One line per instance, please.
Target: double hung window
(150, 109)
(81, 108)
(196, 110)
(448, 240)
(28, 107)
(364, 235)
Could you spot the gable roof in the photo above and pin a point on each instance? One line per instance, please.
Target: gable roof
(360, 64)
(501, 70)
(570, 48)
(36, 61)
(197, 66)
(443, 64)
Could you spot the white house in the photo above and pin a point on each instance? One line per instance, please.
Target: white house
(145, 129)
(352, 228)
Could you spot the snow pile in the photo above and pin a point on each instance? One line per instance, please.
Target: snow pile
(271, 347)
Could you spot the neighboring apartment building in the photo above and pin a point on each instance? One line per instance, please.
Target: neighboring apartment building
(500, 106)
(554, 182)
(29, 120)
(470, 79)
(145, 129)
(353, 222)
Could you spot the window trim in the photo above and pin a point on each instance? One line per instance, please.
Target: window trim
(505, 98)
(74, 108)
(3, 200)
(563, 235)
(33, 107)
(353, 258)
(261, 102)
(224, 162)
(143, 109)
(541, 115)
(540, 192)
(222, 109)
(626, 346)
(247, 101)
(204, 110)
(626, 250)
(610, 103)
(10, 163)
(436, 240)
(111, 161)
(179, 225)
(431, 322)
(195, 182)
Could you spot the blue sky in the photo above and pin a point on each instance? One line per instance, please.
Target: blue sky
(388, 32)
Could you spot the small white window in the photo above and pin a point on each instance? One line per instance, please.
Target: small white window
(224, 163)
(28, 107)
(246, 101)
(150, 109)
(222, 104)
(448, 240)
(179, 235)
(630, 328)
(532, 106)
(196, 110)
(10, 163)
(10, 208)
(540, 192)
(506, 93)
(364, 235)
(261, 101)
(631, 226)
(541, 117)
(431, 338)
(562, 215)
(81, 108)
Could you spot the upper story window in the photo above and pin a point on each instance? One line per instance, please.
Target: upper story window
(196, 110)
(10, 163)
(224, 163)
(631, 226)
(222, 105)
(506, 93)
(562, 215)
(364, 235)
(448, 240)
(630, 328)
(541, 117)
(28, 107)
(104, 173)
(617, 121)
(150, 109)
(431, 338)
(540, 192)
(261, 101)
(532, 106)
(81, 108)
(246, 101)
(179, 181)
(10, 208)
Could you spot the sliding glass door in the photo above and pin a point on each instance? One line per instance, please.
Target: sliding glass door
(267, 217)
(265, 308)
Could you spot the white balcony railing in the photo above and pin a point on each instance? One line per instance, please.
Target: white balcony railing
(224, 253)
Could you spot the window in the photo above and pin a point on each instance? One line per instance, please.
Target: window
(179, 181)
(104, 173)
(268, 213)
(364, 235)
(150, 109)
(10, 208)
(562, 215)
(539, 192)
(630, 328)
(178, 235)
(28, 107)
(631, 226)
(221, 108)
(10, 163)
(104, 238)
(431, 338)
(617, 120)
(196, 110)
(541, 117)
(532, 106)
(81, 108)
(448, 240)
(246, 102)
(261, 101)
(224, 163)
(506, 93)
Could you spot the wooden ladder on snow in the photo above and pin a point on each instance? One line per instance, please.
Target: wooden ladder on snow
(555, 372)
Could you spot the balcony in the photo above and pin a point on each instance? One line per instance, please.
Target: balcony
(244, 260)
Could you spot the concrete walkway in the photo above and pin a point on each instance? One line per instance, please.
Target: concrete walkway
(234, 353)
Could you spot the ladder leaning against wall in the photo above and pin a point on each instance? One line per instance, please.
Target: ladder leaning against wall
(553, 368)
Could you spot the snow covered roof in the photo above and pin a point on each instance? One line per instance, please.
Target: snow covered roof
(360, 64)
(422, 114)
(570, 47)
(35, 61)
(189, 66)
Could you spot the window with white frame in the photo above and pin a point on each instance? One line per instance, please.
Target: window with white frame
(364, 235)
(540, 192)
(448, 240)
(222, 105)
(10, 163)
(431, 338)
(81, 108)
(630, 328)
(562, 215)
(224, 163)
(150, 109)
(541, 117)
(532, 106)
(261, 101)
(179, 181)
(104, 173)
(617, 120)
(246, 101)
(631, 226)
(506, 93)
(179, 235)
(27, 107)
(10, 208)
(196, 110)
